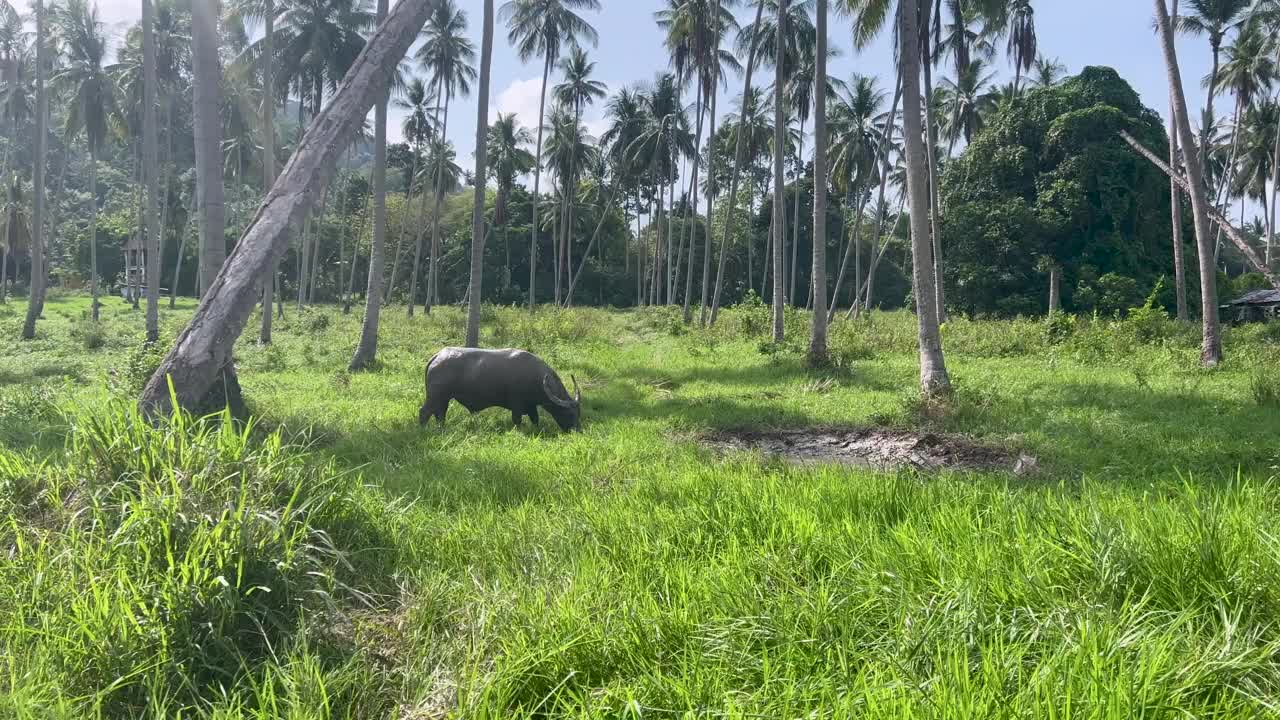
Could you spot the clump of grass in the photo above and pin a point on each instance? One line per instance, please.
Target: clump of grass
(1264, 386)
(168, 560)
(92, 335)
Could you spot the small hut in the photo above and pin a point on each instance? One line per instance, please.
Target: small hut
(1257, 306)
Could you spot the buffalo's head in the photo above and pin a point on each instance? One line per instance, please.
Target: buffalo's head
(566, 411)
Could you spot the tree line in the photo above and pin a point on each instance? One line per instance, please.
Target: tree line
(194, 88)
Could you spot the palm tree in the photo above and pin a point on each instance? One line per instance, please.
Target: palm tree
(1211, 342)
(1175, 206)
(35, 298)
(538, 28)
(664, 140)
(1214, 18)
(779, 194)
(739, 155)
(626, 113)
(694, 32)
(1259, 130)
(367, 350)
(150, 170)
(858, 136)
(507, 160)
(1021, 29)
(266, 10)
(1249, 70)
(477, 212)
(576, 92)
(418, 130)
(1047, 72)
(818, 337)
(208, 139)
(933, 370)
(84, 78)
(448, 55)
(966, 101)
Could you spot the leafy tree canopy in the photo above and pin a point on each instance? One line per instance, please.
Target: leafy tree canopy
(1049, 181)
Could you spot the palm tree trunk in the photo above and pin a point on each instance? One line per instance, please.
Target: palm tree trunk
(931, 148)
(1203, 147)
(317, 233)
(1211, 347)
(670, 259)
(418, 237)
(404, 226)
(37, 181)
(1275, 190)
(604, 214)
(367, 350)
(207, 86)
(537, 180)
(149, 162)
(866, 290)
(851, 251)
(1223, 195)
(779, 187)
(818, 338)
(93, 227)
(1175, 204)
(738, 158)
(304, 260)
(433, 269)
(933, 370)
(133, 274)
(477, 211)
(692, 213)
(268, 156)
(795, 223)
(704, 301)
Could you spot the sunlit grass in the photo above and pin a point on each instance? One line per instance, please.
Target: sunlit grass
(338, 561)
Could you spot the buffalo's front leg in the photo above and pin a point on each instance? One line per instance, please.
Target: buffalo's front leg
(533, 414)
(516, 417)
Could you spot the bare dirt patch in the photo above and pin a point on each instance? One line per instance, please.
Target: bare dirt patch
(879, 448)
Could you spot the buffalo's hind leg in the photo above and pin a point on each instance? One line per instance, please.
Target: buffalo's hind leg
(533, 414)
(516, 417)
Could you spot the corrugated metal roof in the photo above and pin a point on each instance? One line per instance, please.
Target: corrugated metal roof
(1258, 297)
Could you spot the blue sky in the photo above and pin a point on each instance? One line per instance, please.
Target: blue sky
(1116, 33)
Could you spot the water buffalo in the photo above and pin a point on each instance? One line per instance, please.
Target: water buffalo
(514, 379)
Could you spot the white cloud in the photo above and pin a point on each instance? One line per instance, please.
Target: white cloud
(521, 97)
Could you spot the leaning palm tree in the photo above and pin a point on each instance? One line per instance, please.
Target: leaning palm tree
(448, 55)
(538, 29)
(933, 370)
(83, 77)
(577, 91)
(1211, 341)
(507, 160)
(477, 212)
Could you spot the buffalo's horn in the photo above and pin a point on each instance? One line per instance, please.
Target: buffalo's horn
(577, 394)
(551, 392)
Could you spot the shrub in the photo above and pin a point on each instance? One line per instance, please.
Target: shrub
(139, 365)
(92, 335)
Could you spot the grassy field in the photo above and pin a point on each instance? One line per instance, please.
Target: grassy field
(336, 560)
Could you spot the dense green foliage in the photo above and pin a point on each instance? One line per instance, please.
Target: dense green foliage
(337, 561)
(1048, 180)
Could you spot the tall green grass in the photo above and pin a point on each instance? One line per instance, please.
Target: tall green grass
(335, 560)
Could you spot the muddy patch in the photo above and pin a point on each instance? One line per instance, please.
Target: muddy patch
(878, 448)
